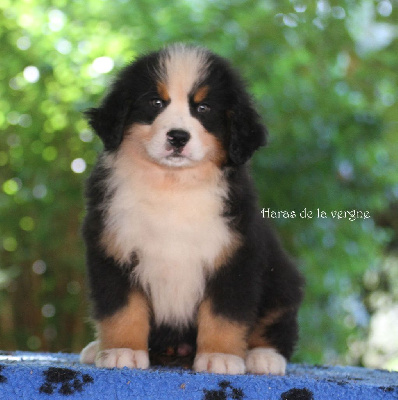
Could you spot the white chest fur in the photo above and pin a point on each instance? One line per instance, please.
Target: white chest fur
(177, 231)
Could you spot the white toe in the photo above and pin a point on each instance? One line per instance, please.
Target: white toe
(88, 354)
(265, 361)
(219, 363)
(119, 358)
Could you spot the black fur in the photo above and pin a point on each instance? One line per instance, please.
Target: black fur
(259, 278)
(119, 107)
(246, 133)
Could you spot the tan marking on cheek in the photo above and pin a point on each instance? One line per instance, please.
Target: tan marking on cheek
(216, 152)
(134, 144)
(137, 133)
(217, 334)
(257, 337)
(129, 327)
(201, 94)
(163, 92)
(162, 177)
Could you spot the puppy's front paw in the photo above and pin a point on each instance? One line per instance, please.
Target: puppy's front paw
(119, 358)
(88, 354)
(265, 361)
(219, 363)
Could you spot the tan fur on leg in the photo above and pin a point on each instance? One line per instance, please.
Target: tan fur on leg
(123, 338)
(221, 343)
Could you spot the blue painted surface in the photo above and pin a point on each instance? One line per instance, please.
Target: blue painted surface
(61, 376)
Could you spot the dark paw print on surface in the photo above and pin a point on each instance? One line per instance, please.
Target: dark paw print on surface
(226, 392)
(3, 379)
(64, 380)
(297, 394)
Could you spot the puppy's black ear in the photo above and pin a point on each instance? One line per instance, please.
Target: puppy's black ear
(247, 133)
(108, 120)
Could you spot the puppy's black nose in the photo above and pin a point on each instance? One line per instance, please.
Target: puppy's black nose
(178, 138)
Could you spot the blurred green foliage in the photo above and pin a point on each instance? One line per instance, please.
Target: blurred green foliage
(324, 75)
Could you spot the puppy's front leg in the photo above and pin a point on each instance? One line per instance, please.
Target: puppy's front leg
(123, 337)
(221, 343)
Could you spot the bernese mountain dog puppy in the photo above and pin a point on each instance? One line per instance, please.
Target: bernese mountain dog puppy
(178, 254)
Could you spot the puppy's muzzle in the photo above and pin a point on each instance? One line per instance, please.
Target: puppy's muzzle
(177, 138)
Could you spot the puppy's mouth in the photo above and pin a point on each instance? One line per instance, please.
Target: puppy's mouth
(175, 151)
(175, 156)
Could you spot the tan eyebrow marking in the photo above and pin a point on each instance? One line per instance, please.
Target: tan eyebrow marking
(163, 92)
(201, 94)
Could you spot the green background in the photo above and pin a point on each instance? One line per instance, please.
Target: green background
(324, 75)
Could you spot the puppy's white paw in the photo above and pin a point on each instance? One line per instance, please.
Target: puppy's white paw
(219, 363)
(88, 354)
(265, 361)
(119, 358)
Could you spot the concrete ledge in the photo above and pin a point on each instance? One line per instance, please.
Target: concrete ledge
(60, 376)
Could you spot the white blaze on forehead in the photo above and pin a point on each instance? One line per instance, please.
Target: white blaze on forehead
(181, 71)
(183, 68)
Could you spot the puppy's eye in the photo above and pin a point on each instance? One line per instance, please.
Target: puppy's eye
(157, 103)
(203, 108)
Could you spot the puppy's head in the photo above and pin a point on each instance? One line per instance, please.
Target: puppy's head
(180, 106)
